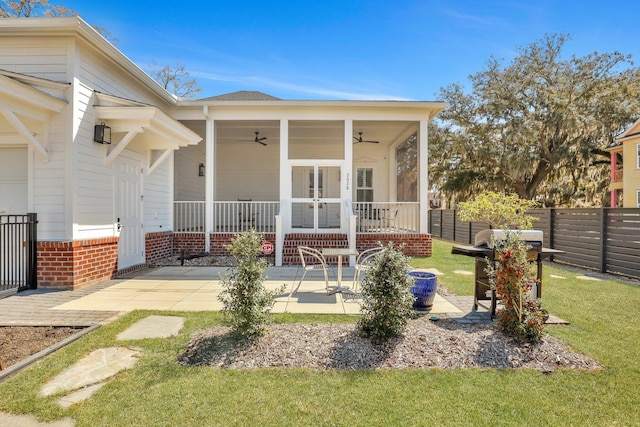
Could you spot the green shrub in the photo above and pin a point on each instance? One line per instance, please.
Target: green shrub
(247, 303)
(386, 295)
(498, 210)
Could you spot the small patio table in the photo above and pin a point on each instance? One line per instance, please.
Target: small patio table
(340, 252)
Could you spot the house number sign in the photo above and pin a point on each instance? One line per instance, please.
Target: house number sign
(348, 176)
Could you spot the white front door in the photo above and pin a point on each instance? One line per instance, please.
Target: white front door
(128, 172)
(13, 181)
(315, 203)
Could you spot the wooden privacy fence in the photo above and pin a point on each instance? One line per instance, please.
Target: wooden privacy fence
(602, 239)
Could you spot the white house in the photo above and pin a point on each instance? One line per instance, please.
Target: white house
(184, 176)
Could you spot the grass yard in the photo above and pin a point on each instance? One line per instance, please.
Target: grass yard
(159, 392)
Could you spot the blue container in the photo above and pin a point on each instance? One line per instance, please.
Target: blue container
(424, 288)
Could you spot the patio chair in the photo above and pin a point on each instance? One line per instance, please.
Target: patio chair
(312, 259)
(363, 262)
(390, 219)
(246, 215)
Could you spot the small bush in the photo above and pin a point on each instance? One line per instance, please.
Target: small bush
(512, 278)
(386, 295)
(247, 303)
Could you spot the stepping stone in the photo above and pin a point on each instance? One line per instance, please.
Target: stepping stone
(463, 272)
(79, 395)
(97, 366)
(593, 279)
(153, 327)
(31, 421)
(555, 276)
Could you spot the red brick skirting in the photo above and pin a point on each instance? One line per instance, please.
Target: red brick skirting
(415, 244)
(220, 241)
(158, 246)
(73, 265)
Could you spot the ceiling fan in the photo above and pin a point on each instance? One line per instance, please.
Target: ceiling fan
(259, 140)
(358, 139)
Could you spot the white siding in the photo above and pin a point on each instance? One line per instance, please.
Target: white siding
(188, 185)
(157, 198)
(94, 183)
(35, 56)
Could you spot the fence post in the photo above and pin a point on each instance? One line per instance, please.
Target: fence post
(470, 223)
(603, 236)
(441, 216)
(455, 216)
(32, 250)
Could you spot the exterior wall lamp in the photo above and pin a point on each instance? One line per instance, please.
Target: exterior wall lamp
(102, 134)
(201, 169)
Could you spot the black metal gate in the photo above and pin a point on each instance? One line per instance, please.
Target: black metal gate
(18, 252)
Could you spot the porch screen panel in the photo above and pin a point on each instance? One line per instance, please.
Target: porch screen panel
(316, 139)
(407, 170)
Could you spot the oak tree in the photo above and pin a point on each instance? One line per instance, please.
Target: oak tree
(536, 126)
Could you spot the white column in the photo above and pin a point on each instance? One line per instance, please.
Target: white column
(423, 176)
(283, 219)
(210, 180)
(346, 193)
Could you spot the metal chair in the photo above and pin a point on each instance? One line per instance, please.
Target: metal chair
(246, 215)
(363, 262)
(317, 262)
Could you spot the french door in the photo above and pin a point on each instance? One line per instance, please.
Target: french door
(315, 202)
(129, 210)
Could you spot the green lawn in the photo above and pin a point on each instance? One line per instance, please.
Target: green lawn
(158, 391)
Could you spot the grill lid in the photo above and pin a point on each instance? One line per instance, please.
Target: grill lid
(487, 237)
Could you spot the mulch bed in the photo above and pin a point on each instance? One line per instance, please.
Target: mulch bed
(444, 344)
(19, 342)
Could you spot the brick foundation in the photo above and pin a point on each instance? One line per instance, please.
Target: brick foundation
(220, 241)
(76, 264)
(190, 243)
(73, 265)
(415, 244)
(158, 246)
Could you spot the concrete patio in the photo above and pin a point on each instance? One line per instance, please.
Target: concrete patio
(198, 288)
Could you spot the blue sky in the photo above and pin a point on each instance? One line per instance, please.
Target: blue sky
(344, 49)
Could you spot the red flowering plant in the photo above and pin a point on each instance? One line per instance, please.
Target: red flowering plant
(512, 278)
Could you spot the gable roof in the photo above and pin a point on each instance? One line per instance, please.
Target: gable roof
(242, 95)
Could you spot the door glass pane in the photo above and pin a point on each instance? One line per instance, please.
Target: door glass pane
(302, 182)
(302, 215)
(331, 181)
(329, 215)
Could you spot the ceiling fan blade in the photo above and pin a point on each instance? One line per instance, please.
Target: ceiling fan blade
(372, 142)
(259, 141)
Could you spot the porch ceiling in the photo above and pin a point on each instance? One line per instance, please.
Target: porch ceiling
(241, 131)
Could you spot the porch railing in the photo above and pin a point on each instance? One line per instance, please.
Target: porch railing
(387, 217)
(236, 217)
(228, 216)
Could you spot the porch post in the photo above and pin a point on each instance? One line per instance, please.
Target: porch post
(347, 188)
(423, 176)
(282, 219)
(209, 186)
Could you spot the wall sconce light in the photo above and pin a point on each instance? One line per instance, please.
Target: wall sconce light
(201, 169)
(102, 134)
